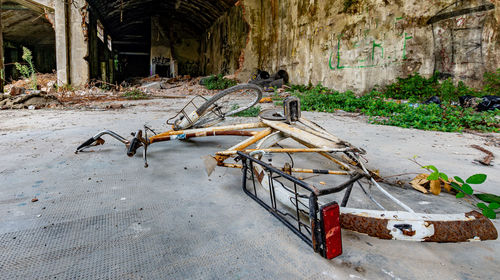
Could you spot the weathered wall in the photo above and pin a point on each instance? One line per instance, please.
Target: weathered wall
(223, 43)
(368, 43)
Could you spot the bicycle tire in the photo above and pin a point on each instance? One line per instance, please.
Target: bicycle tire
(228, 109)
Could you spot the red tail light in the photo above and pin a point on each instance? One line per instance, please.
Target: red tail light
(330, 219)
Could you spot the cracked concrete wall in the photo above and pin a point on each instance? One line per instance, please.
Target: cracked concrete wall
(223, 43)
(370, 42)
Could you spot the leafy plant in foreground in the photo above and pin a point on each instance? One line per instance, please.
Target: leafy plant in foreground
(463, 188)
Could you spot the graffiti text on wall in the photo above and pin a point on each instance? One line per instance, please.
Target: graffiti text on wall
(368, 52)
(161, 60)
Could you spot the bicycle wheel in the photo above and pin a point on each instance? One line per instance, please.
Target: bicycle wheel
(228, 102)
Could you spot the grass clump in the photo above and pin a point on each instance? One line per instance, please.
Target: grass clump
(135, 94)
(250, 112)
(218, 82)
(381, 110)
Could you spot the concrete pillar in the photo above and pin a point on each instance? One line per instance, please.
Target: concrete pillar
(2, 70)
(71, 45)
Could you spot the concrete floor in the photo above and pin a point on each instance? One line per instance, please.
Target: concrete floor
(101, 215)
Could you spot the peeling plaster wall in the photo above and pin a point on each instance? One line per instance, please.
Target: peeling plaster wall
(223, 43)
(370, 43)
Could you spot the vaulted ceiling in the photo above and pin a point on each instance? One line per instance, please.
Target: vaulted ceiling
(126, 19)
(25, 25)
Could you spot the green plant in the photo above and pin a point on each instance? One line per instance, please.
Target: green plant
(28, 71)
(135, 94)
(413, 87)
(250, 112)
(463, 188)
(492, 82)
(218, 82)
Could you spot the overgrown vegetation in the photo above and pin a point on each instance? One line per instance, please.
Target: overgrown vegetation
(28, 70)
(417, 88)
(218, 82)
(492, 82)
(382, 109)
(135, 94)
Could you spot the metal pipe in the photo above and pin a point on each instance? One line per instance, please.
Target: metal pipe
(397, 201)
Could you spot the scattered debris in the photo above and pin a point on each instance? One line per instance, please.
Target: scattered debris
(15, 91)
(36, 100)
(433, 100)
(487, 159)
(115, 106)
(480, 104)
(266, 100)
(421, 184)
(269, 82)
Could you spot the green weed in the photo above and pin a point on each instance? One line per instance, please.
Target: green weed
(218, 82)
(250, 112)
(135, 94)
(28, 71)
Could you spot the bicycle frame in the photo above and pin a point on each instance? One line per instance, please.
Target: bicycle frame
(400, 225)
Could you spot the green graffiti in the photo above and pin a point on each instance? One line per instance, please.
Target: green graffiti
(382, 62)
(404, 45)
(338, 56)
(375, 45)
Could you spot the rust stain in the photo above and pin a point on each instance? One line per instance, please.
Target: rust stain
(459, 231)
(444, 231)
(371, 226)
(408, 232)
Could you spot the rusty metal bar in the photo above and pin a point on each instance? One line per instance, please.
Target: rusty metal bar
(285, 150)
(154, 139)
(296, 170)
(209, 130)
(419, 227)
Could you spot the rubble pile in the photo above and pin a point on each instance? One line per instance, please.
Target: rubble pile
(35, 100)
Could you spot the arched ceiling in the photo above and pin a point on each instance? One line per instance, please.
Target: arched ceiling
(26, 24)
(130, 18)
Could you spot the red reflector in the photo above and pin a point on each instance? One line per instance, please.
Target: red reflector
(331, 225)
